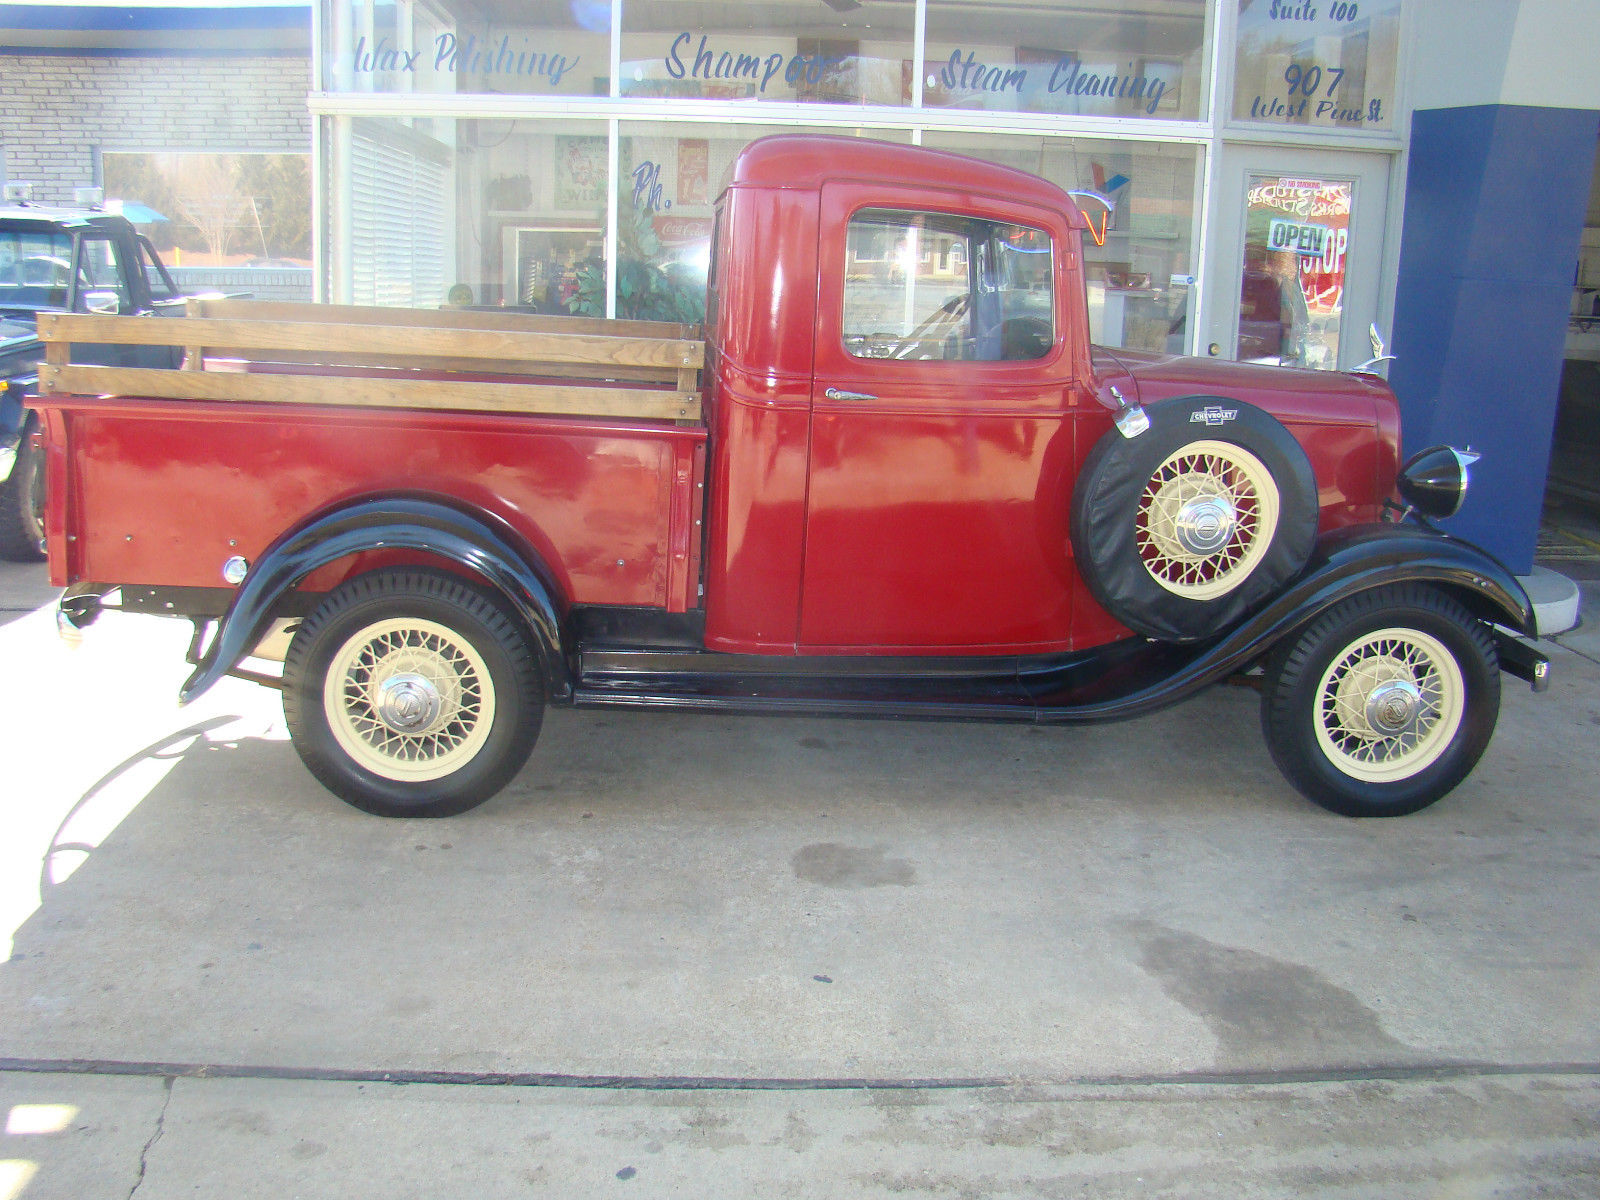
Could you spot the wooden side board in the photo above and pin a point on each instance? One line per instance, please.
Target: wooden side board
(339, 355)
(356, 391)
(435, 318)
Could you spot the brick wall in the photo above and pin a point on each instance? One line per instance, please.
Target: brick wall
(60, 109)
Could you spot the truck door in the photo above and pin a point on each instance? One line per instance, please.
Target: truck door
(941, 438)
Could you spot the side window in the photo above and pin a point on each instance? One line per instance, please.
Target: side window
(35, 268)
(102, 287)
(153, 276)
(931, 286)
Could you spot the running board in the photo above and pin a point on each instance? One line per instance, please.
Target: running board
(1107, 683)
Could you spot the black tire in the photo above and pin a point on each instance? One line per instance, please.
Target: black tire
(461, 700)
(1184, 529)
(1384, 703)
(22, 504)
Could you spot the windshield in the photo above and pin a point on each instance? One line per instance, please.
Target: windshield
(35, 269)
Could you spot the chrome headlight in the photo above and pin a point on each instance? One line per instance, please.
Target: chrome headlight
(1434, 481)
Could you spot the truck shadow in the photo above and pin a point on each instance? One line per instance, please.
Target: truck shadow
(707, 896)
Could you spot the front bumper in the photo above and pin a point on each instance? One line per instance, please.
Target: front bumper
(1518, 657)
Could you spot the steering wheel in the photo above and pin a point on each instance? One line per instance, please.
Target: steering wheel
(934, 328)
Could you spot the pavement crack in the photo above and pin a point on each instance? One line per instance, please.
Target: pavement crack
(1396, 1070)
(161, 1125)
(1574, 650)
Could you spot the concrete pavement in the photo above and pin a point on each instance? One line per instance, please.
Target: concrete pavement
(708, 956)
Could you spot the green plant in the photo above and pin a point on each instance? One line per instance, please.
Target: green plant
(651, 286)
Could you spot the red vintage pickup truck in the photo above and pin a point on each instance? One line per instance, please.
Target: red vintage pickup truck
(894, 479)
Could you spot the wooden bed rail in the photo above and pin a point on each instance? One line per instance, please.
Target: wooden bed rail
(389, 358)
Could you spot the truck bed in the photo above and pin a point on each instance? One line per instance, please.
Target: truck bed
(583, 437)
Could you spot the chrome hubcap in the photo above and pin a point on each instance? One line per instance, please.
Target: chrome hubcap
(1204, 525)
(1393, 707)
(408, 703)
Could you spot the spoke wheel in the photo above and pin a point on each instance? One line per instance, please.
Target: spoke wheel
(1206, 518)
(1389, 705)
(412, 693)
(1384, 703)
(1183, 530)
(409, 699)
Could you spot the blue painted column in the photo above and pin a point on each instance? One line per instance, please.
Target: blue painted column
(1496, 197)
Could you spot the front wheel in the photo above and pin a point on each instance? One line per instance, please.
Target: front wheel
(22, 504)
(409, 693)
(1384, 703)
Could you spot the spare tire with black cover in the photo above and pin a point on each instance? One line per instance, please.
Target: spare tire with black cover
(1187, 527)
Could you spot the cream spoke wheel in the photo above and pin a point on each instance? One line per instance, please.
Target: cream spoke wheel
(409, 699)
(1205, 519)
(409, 692)
(1384, 702)
(1389, 705)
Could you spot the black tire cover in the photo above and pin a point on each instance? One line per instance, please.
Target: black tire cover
(1105, 506)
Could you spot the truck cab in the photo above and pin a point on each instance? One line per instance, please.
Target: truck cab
(903, 398)
(81, 259)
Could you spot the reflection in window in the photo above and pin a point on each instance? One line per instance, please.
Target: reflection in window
(1138, 257)
(512, 214)
(1092, 59)
(217, 209)
(928, 286)
(1291, 292)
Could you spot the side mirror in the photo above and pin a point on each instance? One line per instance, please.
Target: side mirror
(105, 304)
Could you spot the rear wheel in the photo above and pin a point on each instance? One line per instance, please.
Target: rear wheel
(22, 504)
(409, 693)
(1384, 703)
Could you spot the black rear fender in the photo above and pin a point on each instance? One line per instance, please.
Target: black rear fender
(476, 544)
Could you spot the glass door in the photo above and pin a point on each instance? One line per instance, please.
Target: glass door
(1298, 254)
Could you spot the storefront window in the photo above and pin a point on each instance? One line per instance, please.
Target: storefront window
(1291, 294)
(669, 178)
(1100, 58)
(404, 245)
(512, 213)
(498, 47)
(828, 53)
(1140, 199)
(490, 213)
(1322, 65)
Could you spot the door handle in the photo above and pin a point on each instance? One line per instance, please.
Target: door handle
(837, 394)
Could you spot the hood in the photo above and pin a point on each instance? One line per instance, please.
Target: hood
(16, 332)
(1289, 393)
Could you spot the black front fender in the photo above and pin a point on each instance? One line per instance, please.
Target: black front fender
(387, 523)
(1343, 564)
(1367, 556)
(1358, 559)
